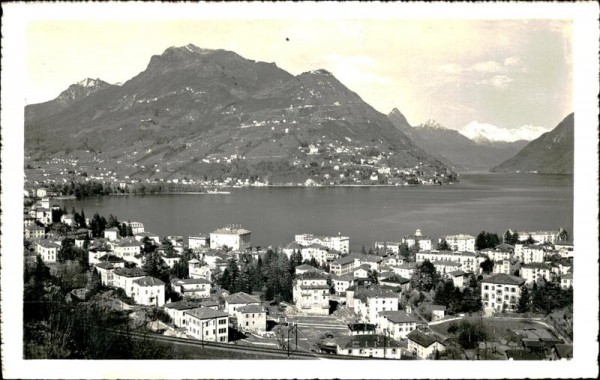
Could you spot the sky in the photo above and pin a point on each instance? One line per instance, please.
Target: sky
(466, 74)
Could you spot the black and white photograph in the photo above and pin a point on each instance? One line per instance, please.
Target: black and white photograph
(226, 190)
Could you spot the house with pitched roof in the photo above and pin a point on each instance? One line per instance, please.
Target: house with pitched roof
(127, 248)
(368, 346)
(238, 300)
(111, 234)
(396, 282)
(231, 237)
(369, 302)
(191, 287)
(536, 272)
(343, 265)
(251, 318)
(149, 291)
(459, 278)
(460, 242)
(424, 346)
(207, 324)
(566, 281)
(397, 324)
(154, 239)
(341, 283)
(123, 278)
(501, 291)
(47, 250)
(177, 309)
(311, 293)
(34, 232)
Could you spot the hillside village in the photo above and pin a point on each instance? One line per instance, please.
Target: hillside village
(413, 297)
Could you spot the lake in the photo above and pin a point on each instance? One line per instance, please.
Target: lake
(492, 202)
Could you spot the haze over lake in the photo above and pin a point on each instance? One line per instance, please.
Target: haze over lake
(491, 202)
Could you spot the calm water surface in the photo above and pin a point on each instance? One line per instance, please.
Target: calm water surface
(491, 202)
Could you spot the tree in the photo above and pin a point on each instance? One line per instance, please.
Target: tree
(487, 266)
(415, 247)
(524, 301)
(372, 275)
(403, 251)
(363, 250)
(424, 277)
(155, 266)
(95, 283)
(530, 240)
(486, 240)
(510, 238)
(563, 235)
(470, 335)
(443, 246)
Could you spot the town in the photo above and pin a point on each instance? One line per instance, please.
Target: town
(414, 297)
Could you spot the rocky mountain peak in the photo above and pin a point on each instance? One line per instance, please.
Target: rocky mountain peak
(432, 124)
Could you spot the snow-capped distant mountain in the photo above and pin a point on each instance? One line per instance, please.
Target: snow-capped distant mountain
(483, 132)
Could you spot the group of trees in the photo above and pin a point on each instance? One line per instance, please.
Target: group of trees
(486, 240)
(544, 297)
(98, 224)
(467, 300)
(272, 275)
(425, 277)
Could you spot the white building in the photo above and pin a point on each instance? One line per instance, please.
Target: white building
(34, 232)
(501, 291)
(136, 227)
(424, 242)
(239, 300)
(461, 242)
(529, 253)
(111, 234)
(405, 270)
(176, 311)
(338, 243)
(540, 236)
(149, 291)
(369, 302)
(153, 237)
(341, 283)
(311, 294)
(424, 346)
(231, 237)
(192, 287)
(503, 266)
(343, 265)
(469, 260)
(197, 242)
(123, 278)
(396, 324)
(368, 346)
(197, 270)
(127, 249)
(535, 272)
(251, 318)
(565, 249)
(566, 281)
(47, 250)
(390, 246)
(207, 324)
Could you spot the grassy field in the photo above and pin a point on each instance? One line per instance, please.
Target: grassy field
(496, 329)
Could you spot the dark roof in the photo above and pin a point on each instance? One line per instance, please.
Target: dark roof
(241, 297)
(130, 272)
(305, 267)
(311, 275)
(361, 327)
(206, 313)
(111, 258)
(564, 351)
(364, 293)
(438, 307)
(149, 281)
(396, 279)
(251, 309)
(182, 305)
(398, 316)
(457, 273)
(344, 260)
(366, 341)
(504, 279)
(421, 339)
(344, 277)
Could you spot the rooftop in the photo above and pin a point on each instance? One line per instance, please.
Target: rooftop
(366, 341)
(396, 279)
(130, 272)
(251, 309)
(422, 339)
(190, 281)
(504, 279)
(361, 326)
(149, 281)
(242, 298)
(536, 266)
(206, 313)
(182, 305)
(231, 231)
(398, 316)
(344, 260)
